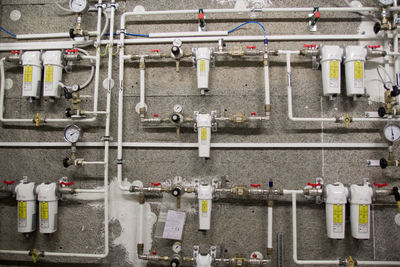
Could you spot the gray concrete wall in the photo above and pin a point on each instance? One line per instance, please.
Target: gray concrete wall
(239, 226)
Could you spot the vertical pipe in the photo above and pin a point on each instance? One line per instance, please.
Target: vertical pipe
(97, 70)
(270, 220)
(2, 87)
(140, 228)
(267, 89)
(142, 82)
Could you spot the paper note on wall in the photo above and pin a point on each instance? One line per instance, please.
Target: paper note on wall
(173, 228)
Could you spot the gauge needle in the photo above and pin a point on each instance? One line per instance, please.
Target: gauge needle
(392, 134)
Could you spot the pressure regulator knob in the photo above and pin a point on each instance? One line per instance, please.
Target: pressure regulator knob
(175, 118)
(175, 262)
(383, 163)
(176, 192)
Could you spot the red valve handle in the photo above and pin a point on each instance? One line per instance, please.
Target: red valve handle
(64, 183)
(153, 252)
(155, 50)
(201, 15)
(255, 185)
(13, 52)
(380, 185)
(155, 115)
(6, 182)
(310, 45)
(317, 14)
(72, 50)
(254, 255)
(155, 184)
(374, 46)
(251, 47)
(253, 114)
(314, 185)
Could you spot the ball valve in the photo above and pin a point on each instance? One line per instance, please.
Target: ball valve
(32, 74)
(25, 195)
(336, 198)
(331, 57)
(48, 207)
(360, 202)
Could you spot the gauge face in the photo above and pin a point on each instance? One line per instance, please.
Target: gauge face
(177, 247)
(392, 132)
(78, 6)
(72, 133)
(178, 108)
(386, 2)
(177, 42)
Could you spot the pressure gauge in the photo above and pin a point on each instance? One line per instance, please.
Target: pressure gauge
(386, 2)
(392, 132)
(72, 133)
(177, 42)
(177, 247)
(178, 108)
(75, 87)
(79, 6)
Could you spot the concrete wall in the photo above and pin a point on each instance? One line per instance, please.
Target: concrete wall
(236, 85)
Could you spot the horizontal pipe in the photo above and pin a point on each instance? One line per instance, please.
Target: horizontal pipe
(378, 263)
(48, 35)
(187, 34)
(55, 254)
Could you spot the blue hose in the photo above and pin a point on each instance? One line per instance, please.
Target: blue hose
(130, 34)
(255, 22)
(13, 35)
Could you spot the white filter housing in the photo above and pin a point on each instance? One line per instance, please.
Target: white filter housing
(204, 195)
(25, 195)
(331, 58)
(52, 62)
(336, 199)
(48, 207)
(360, 202)
(203, 56)
(204, 134)
(32, 74)
(354, 69)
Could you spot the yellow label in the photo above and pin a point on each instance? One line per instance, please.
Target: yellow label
(48, 74)
(363, 214)
(203, 133)
(358, 70)
(22, 209)
(337, 213)
(44, 210)
(333, 69)
(28, 74)
(202, 65)
(204, 206)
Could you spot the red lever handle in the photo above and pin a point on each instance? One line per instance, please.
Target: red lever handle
(317, 14)
(155, 115)
(310, 45)
(380, 185)
(13, 52)
(201, 15)
(72, 50)
(314, 185)
(6, 182)
(251, 47)
(155, 184)
(64, 183)
(374, 46)
(153, 252)
(254, 255)
(255, 185)
(155, 50)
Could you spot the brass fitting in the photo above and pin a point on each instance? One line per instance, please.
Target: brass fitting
(270, 251)
(141, 198)
(239, 117)
(237, 51)
(142, 110)
(240, 190)
(350, 262)
(37, 119)
(140, 248)
(142, 65)
(270, 203)
(266, 62)
(347, 120)
(268, 108)
(239, 260)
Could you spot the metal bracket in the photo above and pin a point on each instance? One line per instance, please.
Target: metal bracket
(119, 161)
(114, 5)
(214, 125)
(102, 6)
(106, 138)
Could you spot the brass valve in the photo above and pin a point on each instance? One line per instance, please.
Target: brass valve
(240, 190)
(351, 262)
(37, 119)
(239, 260)
(347, 120)
(239, 117)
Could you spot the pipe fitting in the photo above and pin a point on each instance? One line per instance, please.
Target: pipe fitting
(141, 198)
(140, 248)
(240, 190)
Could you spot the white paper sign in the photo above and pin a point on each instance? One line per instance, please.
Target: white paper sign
(174, 225)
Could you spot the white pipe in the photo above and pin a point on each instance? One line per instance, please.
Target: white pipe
(142, 84)
(267, 89)
(93, 162)
(294, 224)
(53, 35)
(79, 190)
(195, 145)
(269, 241)
(255, 38)
(187, 34)
(38, 45)
(141, 223)
(378, 263)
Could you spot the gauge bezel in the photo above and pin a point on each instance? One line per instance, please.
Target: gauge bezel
(384, 132)
(83, 9)
(75, 127)
(386, 2)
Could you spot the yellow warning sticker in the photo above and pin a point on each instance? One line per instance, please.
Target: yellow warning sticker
(334, 69)
(28, 74)
(202, 65)
(22, 209)
(358, 70)
(48, 74)
(203, 133)
(44, 210)
(337, 213)
(204, 206)
(363, 214)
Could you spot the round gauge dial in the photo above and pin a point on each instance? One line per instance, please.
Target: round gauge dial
(178, 108)
(72, 133)
(177, 247)
(392, 132)
(386, 2)
(79, 6)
